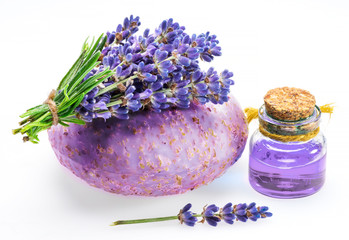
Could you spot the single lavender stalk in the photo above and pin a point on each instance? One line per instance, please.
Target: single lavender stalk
(211, 214)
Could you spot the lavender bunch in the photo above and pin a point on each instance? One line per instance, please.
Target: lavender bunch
(211, 214)
(123, 73)
(155, 71)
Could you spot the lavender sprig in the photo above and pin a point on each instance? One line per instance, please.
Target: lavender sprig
(211, 214)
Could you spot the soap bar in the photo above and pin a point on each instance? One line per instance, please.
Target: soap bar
(154, 154)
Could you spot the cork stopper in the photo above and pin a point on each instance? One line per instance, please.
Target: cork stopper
(289, 104)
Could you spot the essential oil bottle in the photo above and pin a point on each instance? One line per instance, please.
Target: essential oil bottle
(288, 151)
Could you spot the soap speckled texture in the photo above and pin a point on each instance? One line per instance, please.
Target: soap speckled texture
(154, 154)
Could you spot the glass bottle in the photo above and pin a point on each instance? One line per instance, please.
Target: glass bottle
(287, 169)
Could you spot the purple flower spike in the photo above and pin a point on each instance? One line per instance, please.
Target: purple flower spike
(126, 72)
(148, 68)
(160, 55)
(110, 37)
(186, 216)
(183, 48)
(210, 216)
(163, 26)
(133, 105)
(156, 86)
(165, 64)
(202, 100)
(240, 212)
(193, 53)
(227, 213)
(121, 113)
(146, 33)
(263, 211)
(206, 57)
(128, 57)
(183, 103)
(130, 89)
(104, 115)
(172, 100)
(226, 75)
(100, 106)
(251, 205)
(149, 77)
(144, 95)
(184, 61)
(159, 96)
(182, 91)
(216, 51)
(126, 23)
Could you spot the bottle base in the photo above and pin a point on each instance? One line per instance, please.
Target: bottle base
(279, 186)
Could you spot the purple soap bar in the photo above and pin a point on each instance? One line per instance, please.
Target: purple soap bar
(154, 154)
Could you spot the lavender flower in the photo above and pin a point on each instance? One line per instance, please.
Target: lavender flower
(129, 27)
(186, 216)
(244, 212)
(120, 112)
(211, 214)
(226, 213)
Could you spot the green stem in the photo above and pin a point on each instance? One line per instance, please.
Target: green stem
(148, 220)
(158, 38)
(28, 126)
(168, 59)
(114, 85)
(116, 97)
(144, 220)
(163, 90)
(114, 103)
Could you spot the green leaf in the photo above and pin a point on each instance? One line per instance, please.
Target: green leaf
(77, 103)
(66, 79)
(74, 120)
(39, 109)
(73, 103)
(92, 81)
(107, 89)
(40, 124)
(66, 97)
(89, 48)
(101, 45)
(94, 47)
(86, 68)
(89, 88)
(64, 124)
(85, 45)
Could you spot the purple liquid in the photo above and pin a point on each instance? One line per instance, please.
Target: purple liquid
(287, 170)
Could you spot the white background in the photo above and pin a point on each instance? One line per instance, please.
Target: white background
(266, 44)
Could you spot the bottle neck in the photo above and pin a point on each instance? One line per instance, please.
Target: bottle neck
(289, 128)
